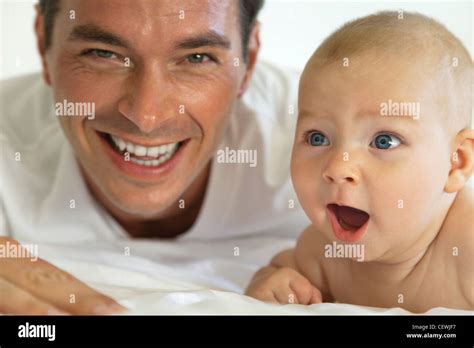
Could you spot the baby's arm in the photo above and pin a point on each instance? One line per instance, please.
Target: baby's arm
(280, 282)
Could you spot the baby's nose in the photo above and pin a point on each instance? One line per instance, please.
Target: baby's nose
(340, 171)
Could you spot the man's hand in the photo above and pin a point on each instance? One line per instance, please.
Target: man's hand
(36, 287)
(283, 285)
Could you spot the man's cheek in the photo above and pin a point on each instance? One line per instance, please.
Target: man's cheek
(74, 80)
(218, 94)
(73, 129)
(212, 109)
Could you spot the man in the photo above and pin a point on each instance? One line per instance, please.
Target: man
(156, 140)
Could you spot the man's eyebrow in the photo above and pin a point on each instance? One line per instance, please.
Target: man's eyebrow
(94, 33)
(210, 38)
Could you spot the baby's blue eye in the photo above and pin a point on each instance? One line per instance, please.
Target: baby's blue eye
(317, 139)
(385, 141)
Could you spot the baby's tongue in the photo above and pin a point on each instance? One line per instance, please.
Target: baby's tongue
(350, 218)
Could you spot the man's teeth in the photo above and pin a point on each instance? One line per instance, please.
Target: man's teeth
(161, 153)
(153, 163)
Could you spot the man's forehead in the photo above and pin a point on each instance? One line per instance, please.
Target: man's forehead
(148, 13)
(139, 23)
(160, 8)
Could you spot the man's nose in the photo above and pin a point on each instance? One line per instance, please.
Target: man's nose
(148, 103)
(341, 169)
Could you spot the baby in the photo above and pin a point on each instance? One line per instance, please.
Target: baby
(382, 152)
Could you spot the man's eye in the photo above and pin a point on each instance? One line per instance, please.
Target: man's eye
(317, 139)
(385, 141)
(101, 53)
(198, 58)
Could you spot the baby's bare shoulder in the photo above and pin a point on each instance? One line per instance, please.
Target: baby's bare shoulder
(458, 228)
(309, 257)
(310, 245)
(303, 252)
(457, 240)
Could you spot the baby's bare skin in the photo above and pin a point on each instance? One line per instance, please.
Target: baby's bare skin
(440, 276)
(436, 278)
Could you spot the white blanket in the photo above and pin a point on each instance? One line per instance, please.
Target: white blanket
(154, 277)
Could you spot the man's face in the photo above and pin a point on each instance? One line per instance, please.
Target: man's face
(350, 153)
(163, 78)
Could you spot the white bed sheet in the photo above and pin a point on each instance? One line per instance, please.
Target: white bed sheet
(154, 277)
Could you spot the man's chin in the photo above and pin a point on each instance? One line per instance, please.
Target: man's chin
(143, 210)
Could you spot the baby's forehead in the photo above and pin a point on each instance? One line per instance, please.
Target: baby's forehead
(382, 57)
(367, 94)
(386, 112)
(374, 63)
(370, 79)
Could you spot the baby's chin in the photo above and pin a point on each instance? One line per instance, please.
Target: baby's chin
(379, 238)
(364, 251)
(369, 247)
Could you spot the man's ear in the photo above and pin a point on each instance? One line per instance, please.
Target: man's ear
(39, 31)
(252, 54)
(462, 161)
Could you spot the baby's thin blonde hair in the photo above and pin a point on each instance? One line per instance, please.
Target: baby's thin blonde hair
(417, 39)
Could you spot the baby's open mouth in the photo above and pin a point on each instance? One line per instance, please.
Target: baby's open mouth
(348, 223)
(349, 218)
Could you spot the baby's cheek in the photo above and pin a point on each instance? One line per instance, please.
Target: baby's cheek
(407, 194)
(425, 177)
(306, 183)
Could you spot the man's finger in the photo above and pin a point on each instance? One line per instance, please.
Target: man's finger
(14, 300)
(54, 286)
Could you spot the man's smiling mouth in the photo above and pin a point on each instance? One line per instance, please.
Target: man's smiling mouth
(132, 156)
(148, 156)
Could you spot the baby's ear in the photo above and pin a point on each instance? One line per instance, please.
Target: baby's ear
(462, 161)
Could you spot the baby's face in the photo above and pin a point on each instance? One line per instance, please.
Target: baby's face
(362, 173)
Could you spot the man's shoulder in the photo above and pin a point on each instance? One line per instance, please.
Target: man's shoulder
(265, 120)
(274, 78)
(275, 90)
(27, 107)
(30, 134)
(20, 89)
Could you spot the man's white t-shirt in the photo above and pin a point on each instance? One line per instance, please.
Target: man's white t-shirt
(43, 197)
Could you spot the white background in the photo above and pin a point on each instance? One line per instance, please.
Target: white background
(291, 29)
